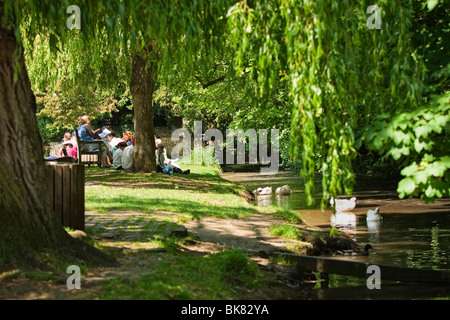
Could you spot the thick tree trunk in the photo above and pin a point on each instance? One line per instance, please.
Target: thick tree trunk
(29, 230)
(143, 77)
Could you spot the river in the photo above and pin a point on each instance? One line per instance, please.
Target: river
(411, 233)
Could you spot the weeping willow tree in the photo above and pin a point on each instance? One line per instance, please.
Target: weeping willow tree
(343, 69)
(148, 32)
(127, 42)
(30, 234)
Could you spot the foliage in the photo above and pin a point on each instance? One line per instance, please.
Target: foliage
(340, 74)
(74, 80)
(419, 140)
(254, 64)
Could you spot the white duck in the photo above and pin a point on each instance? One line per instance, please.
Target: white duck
(343, 204)
(283, 191)
(343, 220)
(263, 191)
(373, 215)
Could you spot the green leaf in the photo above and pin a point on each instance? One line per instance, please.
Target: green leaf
(422, 131)
(430, 192)
(419, 146)
(406, 186)
(431, 4)
(410, 170)
(420, 177)
(446, 161)
(396, 153)
(435, 169)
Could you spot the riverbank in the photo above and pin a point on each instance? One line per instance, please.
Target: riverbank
(183, 237)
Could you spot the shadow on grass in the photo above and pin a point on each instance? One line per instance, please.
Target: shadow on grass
(193, 208)
(206, 181)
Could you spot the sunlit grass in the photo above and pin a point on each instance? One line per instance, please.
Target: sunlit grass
(203, 193)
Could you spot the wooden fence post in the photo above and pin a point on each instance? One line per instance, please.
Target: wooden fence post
(66, 193)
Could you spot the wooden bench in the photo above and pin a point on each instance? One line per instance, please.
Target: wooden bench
(89, 152)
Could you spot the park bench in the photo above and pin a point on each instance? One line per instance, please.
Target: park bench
(89, 151)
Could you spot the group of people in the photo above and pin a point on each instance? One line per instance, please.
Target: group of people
(115, 152)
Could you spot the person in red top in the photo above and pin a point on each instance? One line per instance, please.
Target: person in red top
(71, 147)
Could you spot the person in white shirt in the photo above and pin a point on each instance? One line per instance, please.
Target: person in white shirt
(113, 140)
(162, 162)
(127, 157)
(117, 157)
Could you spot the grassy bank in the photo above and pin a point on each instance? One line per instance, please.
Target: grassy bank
(203, 193)
(137, 218)
(161, 203)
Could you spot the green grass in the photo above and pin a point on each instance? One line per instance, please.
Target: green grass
(178, 274)
(203, 193)
(285, 231)
(190, 277)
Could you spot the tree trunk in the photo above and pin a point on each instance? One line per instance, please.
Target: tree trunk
(143, 78)
(29, 230)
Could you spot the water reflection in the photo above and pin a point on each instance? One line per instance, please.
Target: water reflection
(269, 200)
(373, 228)
(343, 220)
(411, 233)
(264, 200)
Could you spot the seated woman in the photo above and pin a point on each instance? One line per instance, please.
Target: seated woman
(86, 134)
(85, 131)
(167, 165)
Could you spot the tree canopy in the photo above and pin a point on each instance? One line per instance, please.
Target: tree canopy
(343, 85)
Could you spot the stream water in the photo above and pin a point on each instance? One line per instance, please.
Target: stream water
(411, 233)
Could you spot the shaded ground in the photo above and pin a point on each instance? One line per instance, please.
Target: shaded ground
(138, 241)
(127, 234)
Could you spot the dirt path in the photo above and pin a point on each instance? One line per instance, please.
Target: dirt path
(248, 233)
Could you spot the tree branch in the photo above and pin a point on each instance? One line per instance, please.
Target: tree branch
(208, 84)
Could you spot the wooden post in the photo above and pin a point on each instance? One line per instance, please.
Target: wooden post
(66, 193)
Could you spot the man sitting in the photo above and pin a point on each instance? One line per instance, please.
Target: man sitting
(167, 165)
(117, 157)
